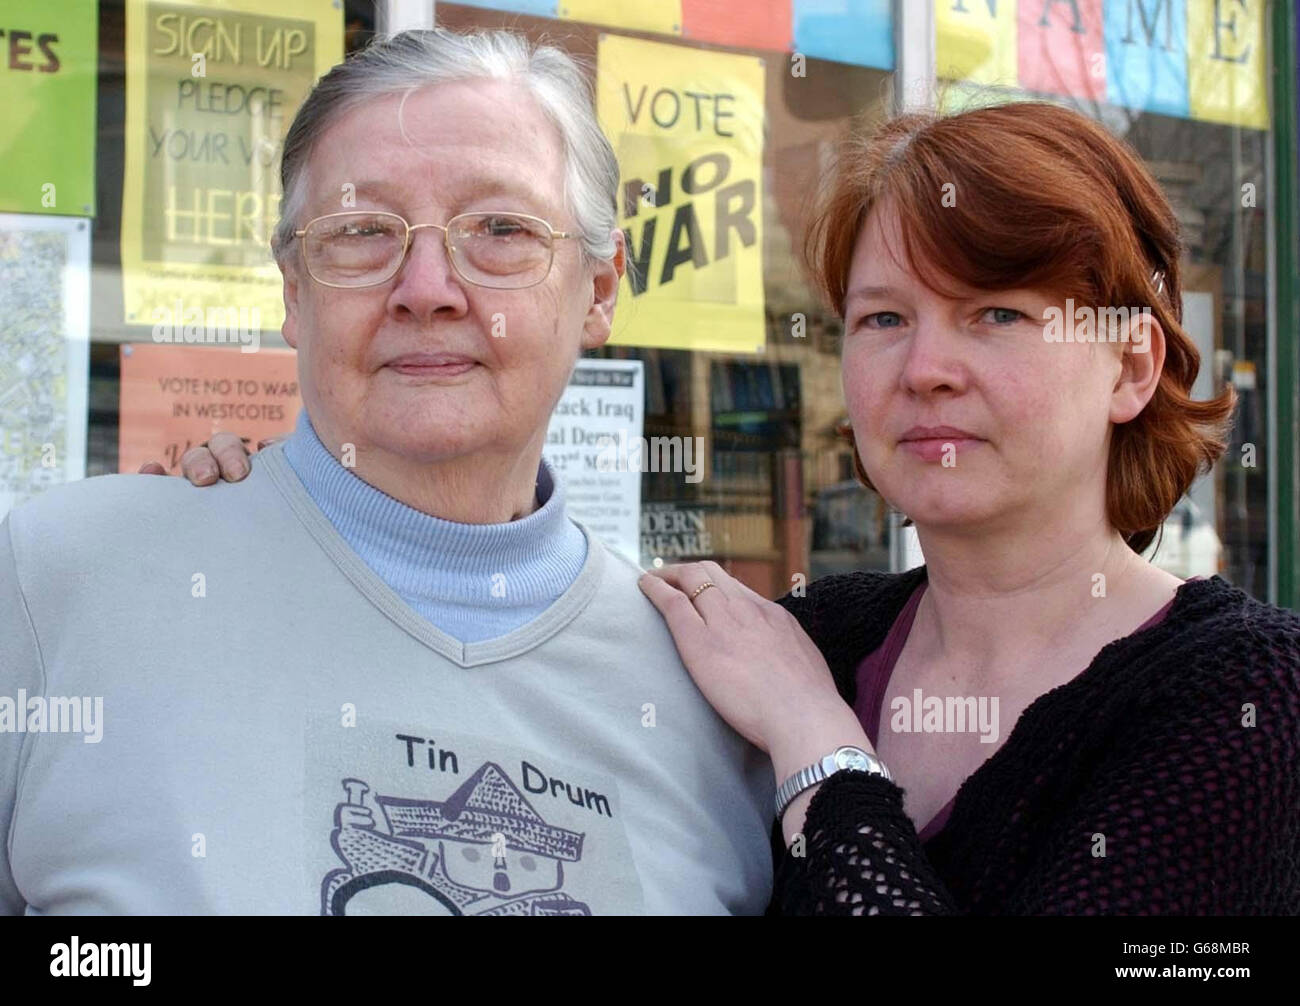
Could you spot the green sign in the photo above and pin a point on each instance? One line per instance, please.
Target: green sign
(48, 63)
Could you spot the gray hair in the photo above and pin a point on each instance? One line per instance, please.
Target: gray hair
(414, 59)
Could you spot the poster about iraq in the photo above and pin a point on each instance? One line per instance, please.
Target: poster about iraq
(210, 92)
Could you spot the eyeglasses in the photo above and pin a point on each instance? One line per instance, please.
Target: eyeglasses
(504, 251)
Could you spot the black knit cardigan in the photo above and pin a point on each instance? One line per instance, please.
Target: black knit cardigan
(1164, 779)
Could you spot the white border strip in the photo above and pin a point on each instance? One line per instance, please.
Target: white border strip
(399, 15)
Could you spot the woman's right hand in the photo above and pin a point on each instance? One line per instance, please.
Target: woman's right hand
(223, 456)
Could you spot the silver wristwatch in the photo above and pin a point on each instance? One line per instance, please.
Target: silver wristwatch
(847, 757)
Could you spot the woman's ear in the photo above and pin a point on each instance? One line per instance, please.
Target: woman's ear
(1142, 343)
(605, 281)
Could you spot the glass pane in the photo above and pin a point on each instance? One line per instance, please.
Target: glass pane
(1208, 170)
(111, 332)
(1192, 98)
(777, 496)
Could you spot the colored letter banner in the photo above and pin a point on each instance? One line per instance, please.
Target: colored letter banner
(767, 24)
(1203, 59)
(210, 91)
(975, 41)
(687, 126)
(843, 31)
(48, 61)
(44, 353)
(846, 31)
(175, 397)
(1227, 62)
(661, 16)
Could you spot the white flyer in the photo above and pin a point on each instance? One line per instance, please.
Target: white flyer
(601, 411)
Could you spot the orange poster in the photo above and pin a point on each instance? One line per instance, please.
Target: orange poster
(175, 397)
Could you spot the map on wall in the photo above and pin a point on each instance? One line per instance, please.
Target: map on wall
(44, 353)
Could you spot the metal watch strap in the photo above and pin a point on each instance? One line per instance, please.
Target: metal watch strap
(815, 773)
(796, 784)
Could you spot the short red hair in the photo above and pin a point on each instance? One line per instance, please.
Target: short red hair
(1044, 198)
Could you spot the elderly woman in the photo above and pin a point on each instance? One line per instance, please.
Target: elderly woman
(432, 703)
(1037, 721)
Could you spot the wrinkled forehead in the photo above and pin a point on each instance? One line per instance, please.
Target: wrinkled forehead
(448, 143)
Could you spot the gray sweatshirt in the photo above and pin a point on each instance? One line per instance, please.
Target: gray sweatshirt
(210, 704)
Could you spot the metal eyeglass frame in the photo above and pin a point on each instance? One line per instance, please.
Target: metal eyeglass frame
(446, 241)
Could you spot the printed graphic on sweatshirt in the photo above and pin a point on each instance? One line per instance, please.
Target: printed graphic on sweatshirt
(460, 825)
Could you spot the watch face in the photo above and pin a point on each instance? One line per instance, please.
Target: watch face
(852, 758)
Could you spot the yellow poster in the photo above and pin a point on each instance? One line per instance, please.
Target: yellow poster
(1227, 62)
(661, 16)
(687, 126)
(211, 88)
(976, 41)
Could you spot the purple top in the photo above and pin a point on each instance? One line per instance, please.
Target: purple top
(877, 668)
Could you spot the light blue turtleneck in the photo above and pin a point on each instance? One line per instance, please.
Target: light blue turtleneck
(472, 581)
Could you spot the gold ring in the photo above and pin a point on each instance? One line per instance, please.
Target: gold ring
(702, 588)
